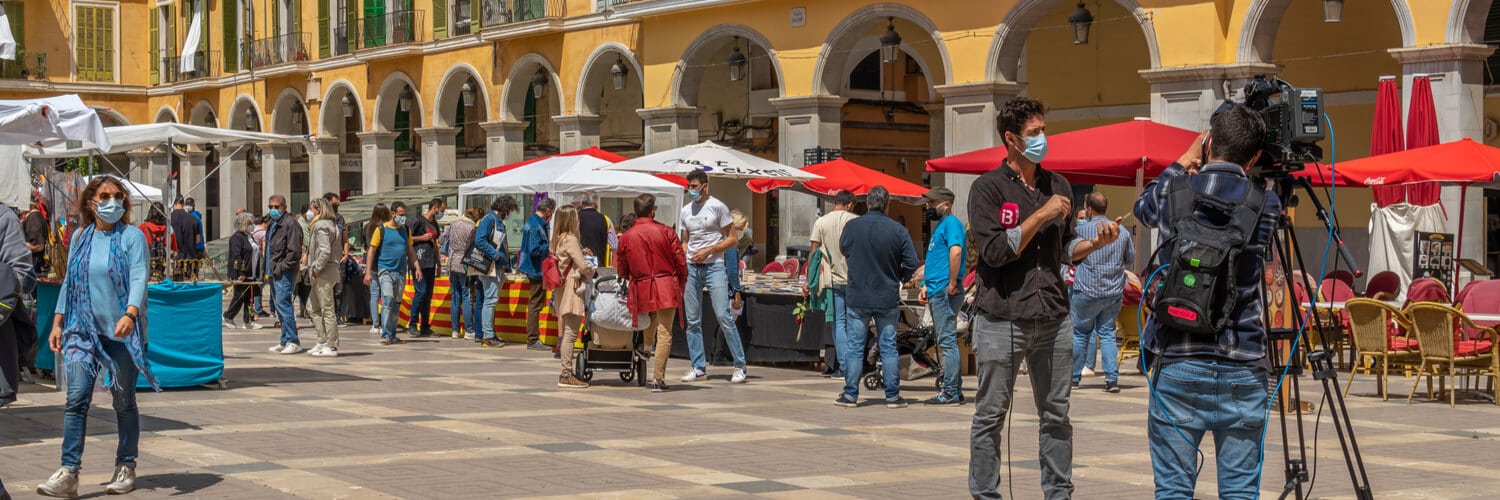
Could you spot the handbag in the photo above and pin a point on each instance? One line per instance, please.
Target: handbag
(551, 276)
(475, 259)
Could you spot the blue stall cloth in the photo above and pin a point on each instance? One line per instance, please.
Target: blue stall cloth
(185, 339)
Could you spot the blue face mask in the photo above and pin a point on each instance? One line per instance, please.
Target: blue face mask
(400, 220)
(695, 194)
(110, 211)
(1036, 148)
(275, 213)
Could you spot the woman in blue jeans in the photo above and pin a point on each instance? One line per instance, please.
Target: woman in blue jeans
(379, 214)
(99, 330)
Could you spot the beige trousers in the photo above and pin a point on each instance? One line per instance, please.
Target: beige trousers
(570, 323)
(320, 306)
(659, 337)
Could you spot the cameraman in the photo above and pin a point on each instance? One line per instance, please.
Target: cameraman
(1214, 384)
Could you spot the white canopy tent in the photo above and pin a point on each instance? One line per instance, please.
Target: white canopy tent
(138, 192)
(27, 121)
(573, 175)
(716, 160)
(132, 137)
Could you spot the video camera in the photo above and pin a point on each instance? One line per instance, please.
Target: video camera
(1293, 118)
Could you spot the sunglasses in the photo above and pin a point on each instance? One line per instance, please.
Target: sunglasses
(110, 196)
(274, 207)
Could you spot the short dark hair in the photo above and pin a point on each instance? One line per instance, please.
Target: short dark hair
(177, 201)
(698, 175)
(275, 197)
(1097, 202)
(546, 205)
(627, 222)
(397, 206)
(1235, 135)
(843, 197)
(645, 204)
(437, 202)
(1016, 112)
(878, 198)
(504, 204)
(331, 197)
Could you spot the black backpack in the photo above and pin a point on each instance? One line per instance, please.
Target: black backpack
(1197, 292)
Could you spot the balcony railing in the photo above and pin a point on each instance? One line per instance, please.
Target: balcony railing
(205, 64)
(392, 28)
(17, 68)
(288, 48)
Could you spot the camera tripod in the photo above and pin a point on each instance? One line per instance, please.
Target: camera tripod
(1319, 356)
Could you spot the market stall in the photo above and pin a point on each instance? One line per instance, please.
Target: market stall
(510, 311)
(186, 342)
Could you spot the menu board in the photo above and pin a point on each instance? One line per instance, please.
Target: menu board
(1433, 257)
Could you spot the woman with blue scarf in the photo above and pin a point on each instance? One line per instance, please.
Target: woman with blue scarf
(99, 329)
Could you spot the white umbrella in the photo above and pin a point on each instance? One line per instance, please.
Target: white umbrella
(569, 174)
(138, 191)
(716, 160)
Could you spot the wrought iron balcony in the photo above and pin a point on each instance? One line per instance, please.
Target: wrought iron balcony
(205, 64)
(392, 28)
(287, 48)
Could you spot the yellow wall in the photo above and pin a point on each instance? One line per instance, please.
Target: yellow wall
(1103, 72)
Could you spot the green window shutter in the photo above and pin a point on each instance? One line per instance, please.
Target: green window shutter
(458, 116)
(154, 57)
(439, 19)
(15, 12)
(296, 16)
(528, 112)
(171, 31)
(403, 130)
(275, 18)
(324, 47)
(475, 22)
(106, 42)
(229, 10)
(203, 39)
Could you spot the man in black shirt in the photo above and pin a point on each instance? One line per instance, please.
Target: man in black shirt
(594, 230)
(1023, 227)
(34, 228)
(185, 234)
(424, 234)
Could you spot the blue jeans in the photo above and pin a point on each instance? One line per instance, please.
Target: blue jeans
(391, 285)
(712, 276)
(854, 349)
(283, 288)
(81, 395)
(421, 301)
(1091, 316)
(945, 321)
(458, 295)
(486, 316)
(840, 326)
(375, 315)
(1201, 396)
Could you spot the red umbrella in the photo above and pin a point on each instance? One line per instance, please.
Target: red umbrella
(1111, 154)
(843, 174)
(592, 151)
(1421, 119)
(1385, 133)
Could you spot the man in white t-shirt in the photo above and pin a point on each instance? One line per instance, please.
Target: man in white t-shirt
(707, 230)
(825, 236)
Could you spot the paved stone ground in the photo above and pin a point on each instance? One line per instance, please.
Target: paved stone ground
(445, 419)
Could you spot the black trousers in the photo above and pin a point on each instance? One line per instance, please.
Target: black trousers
(239, 303)
(10, 362)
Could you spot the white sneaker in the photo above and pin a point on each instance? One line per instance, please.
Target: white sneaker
(292, 348)
(327, 352)
(62, 484)
(458, 334)
(123, 482)
(254, 326)
(229, 325)
(694, 375)
(738, 377)
(471, 336)
(374, 331)
(278, 348)
(1087, 372)
(317, 349)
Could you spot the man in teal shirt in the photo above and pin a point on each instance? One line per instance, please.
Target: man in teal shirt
(943, 291)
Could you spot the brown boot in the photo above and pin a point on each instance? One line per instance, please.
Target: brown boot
(571, 382)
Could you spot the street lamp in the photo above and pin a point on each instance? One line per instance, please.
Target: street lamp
(737, 62)
(890, 42)
(403, 103)
(297, 115)
(348, 105)
(1333, 11)
(467, 95)
(1081, 20)
(250, 119)
(539, 85)
(617, 73)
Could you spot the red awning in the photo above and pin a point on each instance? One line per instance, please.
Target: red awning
(1109, 155)
(592, 151)
(1461, 161)
(843, 174)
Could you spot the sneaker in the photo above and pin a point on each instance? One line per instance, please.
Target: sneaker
(342, 323)
(1075, 385)
(327, 352)
(944, 400)
(397, 340)
(427, 332)
(470, 336)
(1111, 386)
(694, 375)
(254, 326)
(62, 484)
(317, 349)
(123, 482)
(538, 346)
(895, 402)
(838, 375)
(457, 334)
(738, 377)
(571, 382)
(1088, 372)
(845, 401)
(385, 341)
(292, 348)
(278, 348)
(229, 325)
(374, 330)
(495, 343)
(658, 385)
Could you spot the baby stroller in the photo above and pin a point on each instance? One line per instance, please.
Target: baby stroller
(914, 337)
(610, 342)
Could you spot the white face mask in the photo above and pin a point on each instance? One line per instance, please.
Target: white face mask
(308, 215)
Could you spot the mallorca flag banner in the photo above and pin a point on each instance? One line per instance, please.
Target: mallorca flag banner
(510, 311)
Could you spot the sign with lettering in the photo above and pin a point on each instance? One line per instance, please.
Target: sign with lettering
(1433, 257)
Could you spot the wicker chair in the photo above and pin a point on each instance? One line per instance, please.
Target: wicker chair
(1437, 328)
(1371, 320)
(1128, 333)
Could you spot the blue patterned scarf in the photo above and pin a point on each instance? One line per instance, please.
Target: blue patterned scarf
(83, 343)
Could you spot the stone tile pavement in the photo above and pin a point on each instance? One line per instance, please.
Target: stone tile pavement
(443, 418)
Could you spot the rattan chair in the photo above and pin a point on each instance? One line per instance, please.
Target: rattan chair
(1128, 333)
(1370, 321)
(1443, 352)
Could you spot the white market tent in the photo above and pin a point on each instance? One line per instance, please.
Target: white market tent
(571, 174)
(27, 121)
(132, 137)
(715, 160)
(138, 192)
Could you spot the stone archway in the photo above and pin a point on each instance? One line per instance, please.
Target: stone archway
(245, 114)
(203, 114)
(1466, 21)
(389, 116)
(519, 104)
(1263, 22)
(289, 113)
(1010, 37)
(857, 35)
(165, 114)
(605, 106)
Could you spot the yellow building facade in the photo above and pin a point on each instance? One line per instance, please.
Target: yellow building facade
(403, 92)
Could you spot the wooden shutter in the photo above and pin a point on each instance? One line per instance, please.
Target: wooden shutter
(475, 22)
(439, 19)
(203, 37)
(275, 18)
(154, 57)
(106, 20)
(324, 30)
(229, 10)
(93, 50)
(296, 20)
(171, 47)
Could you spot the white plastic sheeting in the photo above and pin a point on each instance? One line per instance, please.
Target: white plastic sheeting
(1392, 231)
(27, 121)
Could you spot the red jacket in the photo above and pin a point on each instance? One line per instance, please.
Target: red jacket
(651, 257)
